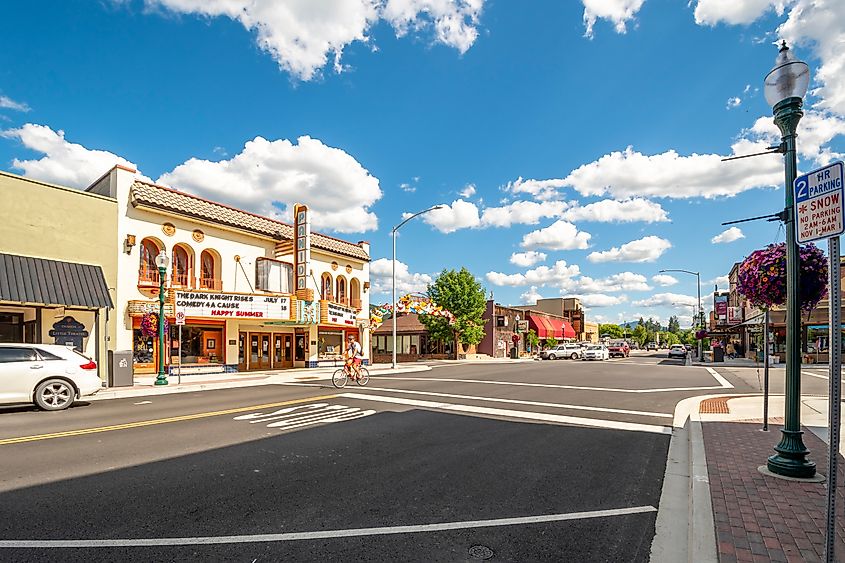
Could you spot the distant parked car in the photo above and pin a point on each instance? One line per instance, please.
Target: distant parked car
(572, 351)
(678, 351)
(619, 348)
(50, 376)
(651, 346)
(596, 352)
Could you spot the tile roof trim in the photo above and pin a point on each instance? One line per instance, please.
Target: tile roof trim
(358, 247)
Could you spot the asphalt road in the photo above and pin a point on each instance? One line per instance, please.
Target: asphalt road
(544, 461)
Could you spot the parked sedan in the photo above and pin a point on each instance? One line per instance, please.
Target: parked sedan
(572, 351)
(596, 352)
(678, 351)
(50, 376)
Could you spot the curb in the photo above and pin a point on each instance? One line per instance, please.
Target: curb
(275, 379)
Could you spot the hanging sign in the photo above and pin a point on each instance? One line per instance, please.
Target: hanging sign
(819, 203)
(232, 305)
(302, 245)
(340, 315)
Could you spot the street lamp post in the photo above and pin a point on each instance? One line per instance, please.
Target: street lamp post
(784, 88)
(393, 277)
(161, 263)
(700, 311)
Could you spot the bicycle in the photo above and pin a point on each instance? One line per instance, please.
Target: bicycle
(341, 376)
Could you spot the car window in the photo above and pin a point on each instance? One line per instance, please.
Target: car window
(14, 354)
(45, 355)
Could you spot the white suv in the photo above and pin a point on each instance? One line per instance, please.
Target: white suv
(48, 375)
(572, 351)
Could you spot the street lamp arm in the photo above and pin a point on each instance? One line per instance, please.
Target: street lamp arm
(417, 214)
(684, 271)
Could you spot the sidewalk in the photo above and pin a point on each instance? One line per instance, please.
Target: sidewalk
(757, 517)
(145, 385)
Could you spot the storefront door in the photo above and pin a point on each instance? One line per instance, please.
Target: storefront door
(242, 348)
(259, 351)
(287, 347)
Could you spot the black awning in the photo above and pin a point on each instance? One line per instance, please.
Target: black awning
(50, 282)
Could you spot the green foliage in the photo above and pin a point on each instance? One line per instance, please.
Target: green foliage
(641, 335)
(674, 325)
(461, 294)
(611, 330)
(551, 342)
(669, 338)
(532, 339)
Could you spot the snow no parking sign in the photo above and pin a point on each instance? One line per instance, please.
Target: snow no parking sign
(819, 204)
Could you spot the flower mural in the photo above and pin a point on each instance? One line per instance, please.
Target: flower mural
(410, 303)
(762, 276)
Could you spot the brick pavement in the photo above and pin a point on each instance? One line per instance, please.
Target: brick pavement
(760, 518)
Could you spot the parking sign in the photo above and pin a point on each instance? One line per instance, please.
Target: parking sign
(180, 318)
(819, 204)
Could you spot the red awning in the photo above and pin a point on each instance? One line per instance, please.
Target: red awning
(557, 327)
(540, 326)
(568, 331)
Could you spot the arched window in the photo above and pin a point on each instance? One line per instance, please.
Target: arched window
(327, 286)
(181, 267)
(341, 290)
(208, 276)
(148, 272)
(354, 293)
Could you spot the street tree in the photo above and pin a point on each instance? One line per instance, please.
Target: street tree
(532, 339)
(674, 325)
(610, 330)
(461, 294)
(551, 342)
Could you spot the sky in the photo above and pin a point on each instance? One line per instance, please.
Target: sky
(575, 146)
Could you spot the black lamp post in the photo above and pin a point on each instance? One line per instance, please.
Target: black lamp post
(784, 88)
(161, 263)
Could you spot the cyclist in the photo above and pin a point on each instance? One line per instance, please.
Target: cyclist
(354, 357)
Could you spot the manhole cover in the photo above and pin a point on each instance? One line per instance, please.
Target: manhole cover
(480, 552)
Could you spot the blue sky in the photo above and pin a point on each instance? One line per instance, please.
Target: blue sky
(576, 144)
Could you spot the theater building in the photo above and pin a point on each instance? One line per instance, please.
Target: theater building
(255, 293)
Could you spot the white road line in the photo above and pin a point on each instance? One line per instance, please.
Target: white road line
(724, 382)
(326, 534)
(551, 385)
(518, 402)
(538, 416)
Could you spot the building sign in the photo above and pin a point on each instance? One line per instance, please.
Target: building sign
(141, 308)
(734, 315)
(340, 315)
(819, 203)
(69, 332)
(301, 246)
(232, 305)
(720, 305)
(307, 312)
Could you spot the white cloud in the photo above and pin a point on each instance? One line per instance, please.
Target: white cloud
(530, 296)
(728, 235)
(406, 282)
(267, 174)
(303, 36)
(468, 191)
(521, 212)
(560, 275)
(721, 281)
(816, 130)
(733, 103)
(65, 163)
(8, 103)
(711, 12)
(560, 235)
(601, 300)
(646, 249)
(664, 280)
(528, 258)
(618, 12)
(666, 300)
(542, 190)
(405, 187)
(450, 218)
(623, 281)
(614, 211)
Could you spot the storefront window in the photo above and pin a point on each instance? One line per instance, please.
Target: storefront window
(200, 344)
(142, 348)
(330, 342)
(11, 327)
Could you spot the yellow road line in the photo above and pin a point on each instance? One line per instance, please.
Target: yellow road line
(95, 430)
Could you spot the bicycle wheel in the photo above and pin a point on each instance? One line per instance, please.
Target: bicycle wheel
(339, 378)
(364, 376)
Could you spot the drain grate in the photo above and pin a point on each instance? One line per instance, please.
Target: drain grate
(481, 552)
(719, 405)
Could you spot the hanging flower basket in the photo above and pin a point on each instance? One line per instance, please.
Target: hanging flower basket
(701, 334)
(149, 325)
(762, 276)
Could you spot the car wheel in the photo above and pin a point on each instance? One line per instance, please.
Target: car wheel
(574, 356)
(552, 357)
(54, 395)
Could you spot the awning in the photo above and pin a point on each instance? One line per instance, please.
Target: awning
(50, 282)
(568, 331)
(541, 325)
